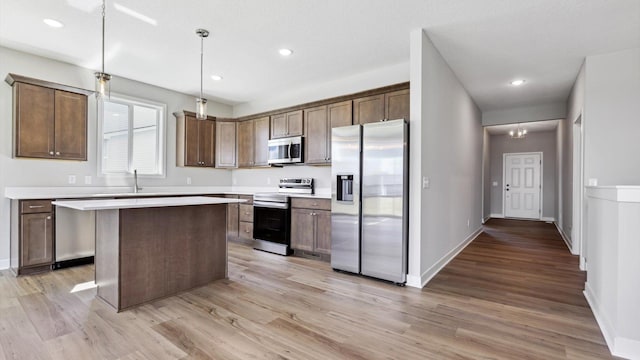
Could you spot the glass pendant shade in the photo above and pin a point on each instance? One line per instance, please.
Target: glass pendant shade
(103, 85)
(201, 109)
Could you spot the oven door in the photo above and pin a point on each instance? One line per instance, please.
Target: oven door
(271, 222)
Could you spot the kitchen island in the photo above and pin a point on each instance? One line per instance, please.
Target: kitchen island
(149, 248)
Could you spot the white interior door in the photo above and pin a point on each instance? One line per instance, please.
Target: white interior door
(522, 185)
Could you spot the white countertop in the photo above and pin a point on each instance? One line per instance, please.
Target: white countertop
(619, 193)
(132, 203)
(82, 192)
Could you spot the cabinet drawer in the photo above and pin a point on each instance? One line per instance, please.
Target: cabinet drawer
(246, 212)
(245, 230)
(35, 206)
(306, 203)
(249, 199)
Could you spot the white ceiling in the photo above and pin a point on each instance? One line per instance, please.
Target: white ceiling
(487, 42)
(531, 127)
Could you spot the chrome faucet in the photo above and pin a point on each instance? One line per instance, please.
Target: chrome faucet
(136, 188)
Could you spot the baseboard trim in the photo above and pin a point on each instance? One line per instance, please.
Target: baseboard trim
(565, 238)
(496, 216)
(548, 219)
(426, 276)
(4, 264)
(618, 346)
(484, 221)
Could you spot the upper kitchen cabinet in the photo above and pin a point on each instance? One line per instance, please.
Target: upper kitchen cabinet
(195, 140)
(50, 119)
(226, 149)
(318, 124)
(286, 124)
(388, 106)
(253, 137)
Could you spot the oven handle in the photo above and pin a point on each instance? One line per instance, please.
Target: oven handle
(271, 205)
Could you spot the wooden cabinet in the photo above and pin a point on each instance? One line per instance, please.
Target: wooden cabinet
(245, 224)
(32, 236)
(50, 119)
(389, 106)
(287, 124)
(195, 140)
(226, 149)
(233, 218)
(318, 124)
(311, 225)
(253, 138)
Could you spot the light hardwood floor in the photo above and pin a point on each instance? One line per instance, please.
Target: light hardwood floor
(514, 293)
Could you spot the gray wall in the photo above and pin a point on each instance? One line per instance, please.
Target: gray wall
(446, 130)
(49, 173)
(544, 142)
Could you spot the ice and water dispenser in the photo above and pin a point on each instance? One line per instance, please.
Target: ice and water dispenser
(345, 188)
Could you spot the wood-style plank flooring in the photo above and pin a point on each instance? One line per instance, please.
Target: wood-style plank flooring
(514, 293)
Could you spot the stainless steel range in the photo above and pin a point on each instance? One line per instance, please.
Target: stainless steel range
(272, 215)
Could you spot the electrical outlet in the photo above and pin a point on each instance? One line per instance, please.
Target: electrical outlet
(72, 179)
(468, 223)
(235, 181)
(87, 180)
(188, 180)
(426, 182)
(268, 181)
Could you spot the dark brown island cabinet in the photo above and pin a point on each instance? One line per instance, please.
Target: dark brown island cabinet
(50, 119)
(253, 137)
(318, 122)
(226, 144)
(195, 140)
(388, 106)
(286, 124)
(31, 236)
(311, 227)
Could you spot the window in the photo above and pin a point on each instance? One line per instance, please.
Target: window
(131, 136)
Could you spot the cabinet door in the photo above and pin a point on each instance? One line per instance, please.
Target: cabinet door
(368, 109)
(339, 114)
(316, 136)
(191, 138)
(232, 221)
(302, 229)
(226, 144)
(36, 236)
(323, 231)
(34, 113)
(279, 126)
(294, 123)
(245, 143)
(246, 213)
(396, 105)
(206, 142)
(261, 142)
(70, 126)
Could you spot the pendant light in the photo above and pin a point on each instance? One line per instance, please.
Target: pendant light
(519, 133)
(103, 87)
(201, 102)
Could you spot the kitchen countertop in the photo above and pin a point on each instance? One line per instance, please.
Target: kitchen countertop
(26, 193)
(111, 204)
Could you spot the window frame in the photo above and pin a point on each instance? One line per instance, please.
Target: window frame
(161, 149)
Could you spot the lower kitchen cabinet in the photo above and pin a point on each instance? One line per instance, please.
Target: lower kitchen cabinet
(311, 225)
(32, 233)
(245, 217)
(232, 219)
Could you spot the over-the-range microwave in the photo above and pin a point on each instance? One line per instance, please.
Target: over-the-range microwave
(285, 151)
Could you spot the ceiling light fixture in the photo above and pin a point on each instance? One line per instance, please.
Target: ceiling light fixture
(285, 52)
(53, 23)
(103, 86)
(519, 133)
(518, 82)
(216, 77)
(201, 102)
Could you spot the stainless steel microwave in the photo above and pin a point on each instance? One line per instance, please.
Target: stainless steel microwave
(286, 150)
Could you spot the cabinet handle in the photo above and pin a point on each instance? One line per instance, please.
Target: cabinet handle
(246, 230)
(57, 153)
(35, 206)
(49, 217)
(50, 152)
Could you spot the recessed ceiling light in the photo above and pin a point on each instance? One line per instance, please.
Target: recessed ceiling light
(285, 52)
(53, 23)
(216, 77)
(517, 82)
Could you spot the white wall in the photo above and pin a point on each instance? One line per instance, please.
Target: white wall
(544, 142)
(37, 172)
(450, 210)
(268, 177)
(486, 174)
(524, 114)
(611, 112)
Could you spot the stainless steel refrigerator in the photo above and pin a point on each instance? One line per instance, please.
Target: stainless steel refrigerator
(369, 204)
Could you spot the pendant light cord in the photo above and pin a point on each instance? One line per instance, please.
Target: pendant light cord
(201, 62)
(103, 16)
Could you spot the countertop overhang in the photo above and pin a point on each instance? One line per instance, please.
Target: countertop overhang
(133, 203)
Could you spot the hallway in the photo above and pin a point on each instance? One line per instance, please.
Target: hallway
(524, 293)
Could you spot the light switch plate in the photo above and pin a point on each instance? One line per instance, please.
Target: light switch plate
(72, 179)
(426, 182)
(495, 183)
(87, 180)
